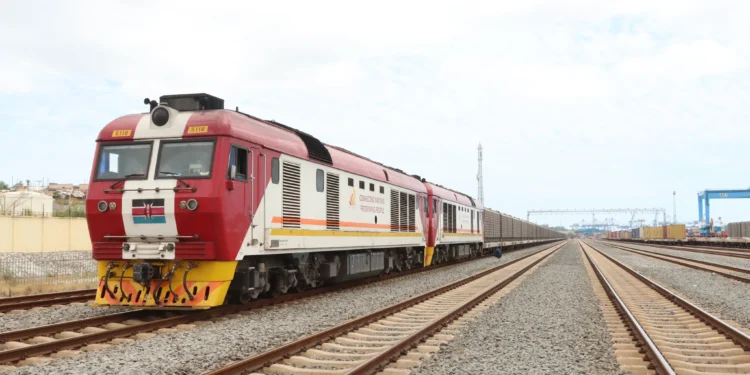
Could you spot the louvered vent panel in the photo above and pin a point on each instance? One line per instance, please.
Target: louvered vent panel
(453, 216)
(402, 212)
(412, 217)
(290, 197)
(394, 211)
(445, 218)
(332, 201)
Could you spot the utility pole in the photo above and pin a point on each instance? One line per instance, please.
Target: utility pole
(674, 207)
(480, 183)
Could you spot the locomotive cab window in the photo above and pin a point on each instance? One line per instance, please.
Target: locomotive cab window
(238, 159)
(123, 161)
(185, 159)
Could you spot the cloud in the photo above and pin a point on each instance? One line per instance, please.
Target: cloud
(686, 61)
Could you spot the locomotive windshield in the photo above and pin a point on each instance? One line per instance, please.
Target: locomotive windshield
(123, 161)
(185, 159)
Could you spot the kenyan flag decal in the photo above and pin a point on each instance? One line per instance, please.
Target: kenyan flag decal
(148, 211)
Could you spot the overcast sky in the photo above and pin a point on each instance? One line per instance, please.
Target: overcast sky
(579, 105)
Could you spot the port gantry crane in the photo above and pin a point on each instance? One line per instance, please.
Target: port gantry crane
(707, 195)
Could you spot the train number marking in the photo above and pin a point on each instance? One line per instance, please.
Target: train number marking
(197, 129)
(122, 133)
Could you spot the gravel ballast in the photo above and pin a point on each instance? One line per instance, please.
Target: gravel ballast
(212, 345)
(727, 298)
(550, 324)
(13, 321)
(718, 259)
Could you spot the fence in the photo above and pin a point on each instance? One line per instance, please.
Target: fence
(43, 234)
(70, 267)
(41, 206)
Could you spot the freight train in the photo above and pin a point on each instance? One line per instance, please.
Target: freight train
(192, 206)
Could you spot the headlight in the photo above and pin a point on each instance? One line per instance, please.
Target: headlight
(112, 206)
(192, 204)
(125, 247)
(102, 206)
(183, 205)
(160, 116)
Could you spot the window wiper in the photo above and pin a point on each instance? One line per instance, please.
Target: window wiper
(173, 174)
(125, 178)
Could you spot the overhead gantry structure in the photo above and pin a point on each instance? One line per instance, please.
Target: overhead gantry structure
(593, 212)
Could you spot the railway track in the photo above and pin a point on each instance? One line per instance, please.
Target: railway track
(718, 269)
(725, 253)
(385, 340)
(47, 299)
(725, 248)
(676, 336)
(44, 343)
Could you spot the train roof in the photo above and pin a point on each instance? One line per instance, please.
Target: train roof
(453, 196)
(269, 134)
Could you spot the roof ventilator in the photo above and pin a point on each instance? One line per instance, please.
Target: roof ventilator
(316, 150)
(192, 102)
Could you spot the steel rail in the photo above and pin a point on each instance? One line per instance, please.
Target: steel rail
(14, 355)
(653, 354)
(693, 266)
(267, 358)
(680, 248)
(37, 297)
(737, 336)
(739, 250)
(38, 300)
(24, 334)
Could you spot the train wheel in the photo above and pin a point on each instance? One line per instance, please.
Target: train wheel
(398, 263)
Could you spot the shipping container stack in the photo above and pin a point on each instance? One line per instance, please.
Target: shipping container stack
(739, 230)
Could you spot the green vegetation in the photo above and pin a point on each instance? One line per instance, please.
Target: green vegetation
(4, 186)
(70, 212)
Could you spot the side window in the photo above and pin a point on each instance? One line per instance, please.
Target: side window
(351, 182)
(434, 207)
(372, 187)
(361, 184)
(238, 159)
(275, 170)
(319, 180)
(382, 190)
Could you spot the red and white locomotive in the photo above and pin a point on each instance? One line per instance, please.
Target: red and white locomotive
(191, 206)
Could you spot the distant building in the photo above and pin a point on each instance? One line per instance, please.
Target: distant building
(67, 190)
(61, 187)
(20, 203)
